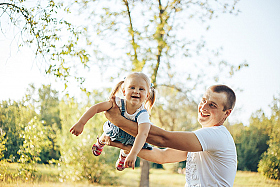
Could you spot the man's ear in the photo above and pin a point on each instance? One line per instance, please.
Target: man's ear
(228, 112)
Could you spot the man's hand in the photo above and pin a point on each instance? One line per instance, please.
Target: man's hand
(114, 113)
(117, 144)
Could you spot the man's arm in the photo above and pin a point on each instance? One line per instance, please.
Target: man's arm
(156, 155)
(185, 141)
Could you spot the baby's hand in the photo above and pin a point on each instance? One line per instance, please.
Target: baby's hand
(77, 129)
(130, 161)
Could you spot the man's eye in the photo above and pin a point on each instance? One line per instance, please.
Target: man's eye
(212, 105)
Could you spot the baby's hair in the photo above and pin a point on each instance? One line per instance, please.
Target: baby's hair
(151, 99)
(116, 89)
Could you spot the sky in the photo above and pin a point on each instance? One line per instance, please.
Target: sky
(252, 36)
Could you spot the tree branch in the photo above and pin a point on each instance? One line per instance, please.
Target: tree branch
(131, 32)
(28, 19)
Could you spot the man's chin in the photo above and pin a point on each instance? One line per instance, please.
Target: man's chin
(203, 121)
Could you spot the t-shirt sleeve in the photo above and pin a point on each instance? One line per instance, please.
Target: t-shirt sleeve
(118, 102)
(144, 118)
(210, 137)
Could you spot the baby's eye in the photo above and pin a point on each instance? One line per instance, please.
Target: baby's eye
(132, 87)
(141, 89)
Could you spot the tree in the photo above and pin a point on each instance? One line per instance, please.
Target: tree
(269, 165)
(2, 144)
(48, 104)
(35, 136)
(247, 151)
(77, 160)
(155, 44)
(251, 142)
(12, 116)
(41, 26)
(175, 112)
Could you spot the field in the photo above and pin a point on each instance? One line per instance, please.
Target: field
(48, 177)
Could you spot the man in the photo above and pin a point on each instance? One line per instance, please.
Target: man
(210, 152)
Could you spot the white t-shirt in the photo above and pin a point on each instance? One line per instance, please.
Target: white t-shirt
(142, 118)
(216, 165)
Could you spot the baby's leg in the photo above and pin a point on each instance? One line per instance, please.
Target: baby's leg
(121, 159)
(98, 146)
(103, 138)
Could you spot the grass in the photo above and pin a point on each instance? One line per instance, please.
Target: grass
(246, 178)
(48, 177)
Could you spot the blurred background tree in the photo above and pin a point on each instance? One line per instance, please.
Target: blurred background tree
(270, 163)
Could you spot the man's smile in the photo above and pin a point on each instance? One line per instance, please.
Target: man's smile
(204, 114)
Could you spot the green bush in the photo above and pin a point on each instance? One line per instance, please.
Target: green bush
(35, 138)
(77, 162)
(269, 165)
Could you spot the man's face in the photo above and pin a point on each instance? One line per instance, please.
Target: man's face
(210, 109)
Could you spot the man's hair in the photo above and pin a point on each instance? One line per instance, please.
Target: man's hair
(231, 98)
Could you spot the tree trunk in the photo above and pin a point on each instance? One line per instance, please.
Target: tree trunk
(145, 167)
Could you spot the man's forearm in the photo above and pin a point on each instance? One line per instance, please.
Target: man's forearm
(160, 156)
(155, 155)
(156, 135)
(128, 126)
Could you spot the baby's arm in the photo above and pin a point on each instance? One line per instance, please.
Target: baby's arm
(77, 129)
(140, 139)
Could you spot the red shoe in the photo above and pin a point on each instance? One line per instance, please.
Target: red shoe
(97, 148)
(120, 163)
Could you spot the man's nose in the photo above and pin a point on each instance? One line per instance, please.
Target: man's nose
(203, 106)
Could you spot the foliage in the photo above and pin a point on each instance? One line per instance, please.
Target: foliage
(158, 43)
(251, 142)
(247, 151)
(35, 136)
(174, 111)
(44, 27)
(258, 145)
(35, 139)
(236, 131)
(3, 167)
(269, 166)
(49, 113)
(2, 143)
(77, 161)
(12, 115)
